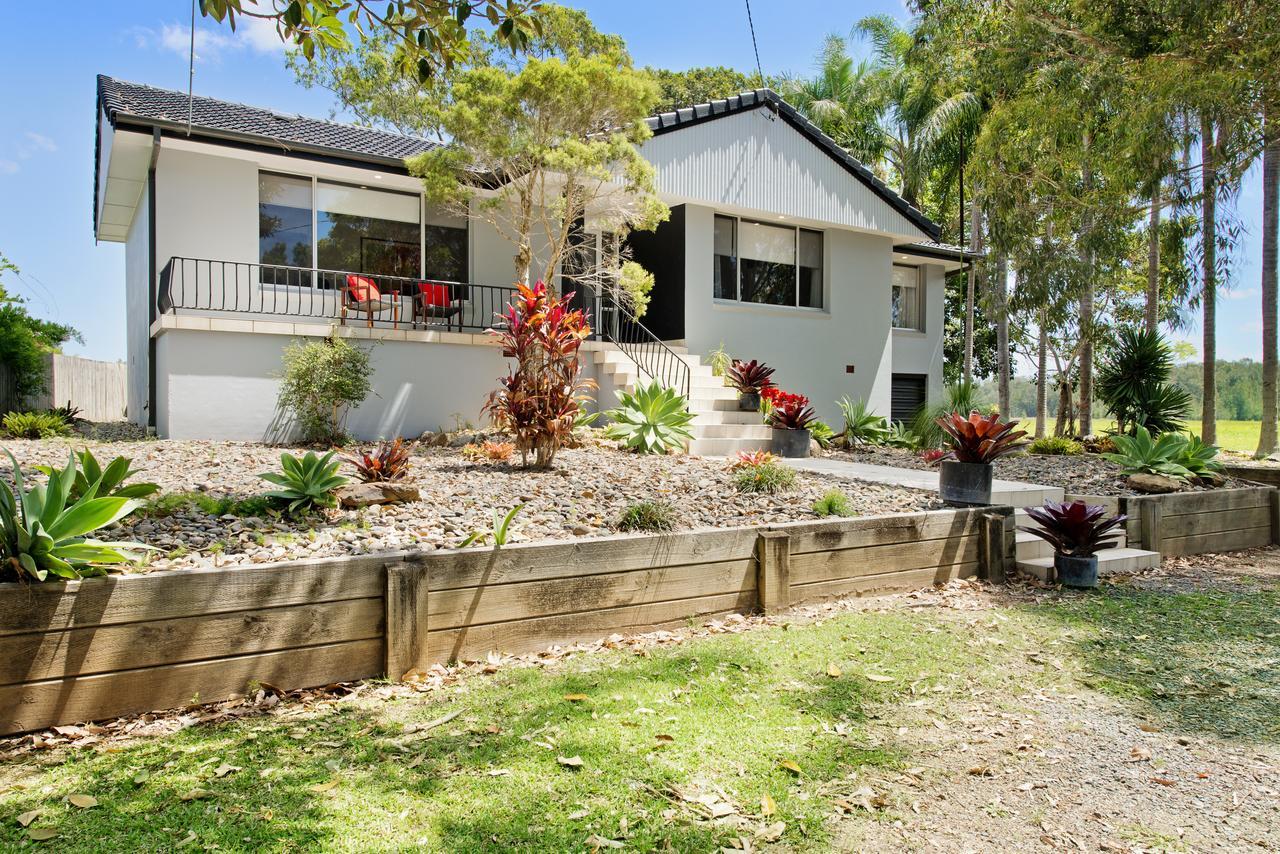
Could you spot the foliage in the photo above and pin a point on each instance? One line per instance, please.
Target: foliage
(489, 451)
(68, 413)
(172, 503)
(821, 432)
(697, 86)
(539, 400)
(647, 516)
(307, 483)
(1134, 384)
(321, 380)
(791, 412)
(1075, 528)
(1198, 457)
(43, 531)
(861, 425)
(901, 436)
(933, 455)
(1055, 446)
(748, 377)
(499, 533)
(748, 459)
(961, 397)
(635, 283)
(834, 503)
(1140, 453)
(653, 420)
(34, 425)
(110, 481)
(763, 474)
(386, 462)
(25, 340)
(980, 439)
(720, 362)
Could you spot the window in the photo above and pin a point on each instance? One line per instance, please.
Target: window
(367, 231)
(445, 238)
(767, 264)
(906, 298)
(284, 227)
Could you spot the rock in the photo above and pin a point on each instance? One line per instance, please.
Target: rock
(1155, 484)
(367, 494)
(1212, 478)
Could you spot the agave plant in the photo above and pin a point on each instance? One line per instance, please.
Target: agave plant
(979, 438)
(653, 420)
(43, 530)
(749, 377)
(387, 462)
(1143, 454)
(861, 425)
(1074, 528)
(306, 483)
(111, 480)
(900, 435)
(1198, 457)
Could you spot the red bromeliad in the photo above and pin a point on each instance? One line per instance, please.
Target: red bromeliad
(539, 399)
(777, 397)
(979, 439)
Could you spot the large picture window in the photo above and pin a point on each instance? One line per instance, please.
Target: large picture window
(284, 227)
(367, 231)
(767, 264)
(905, 304)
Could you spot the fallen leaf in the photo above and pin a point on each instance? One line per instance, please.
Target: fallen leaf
(575, 698)
(493, 729)
(141, 777)
(84, 802)
(772, 833)
(1149, 728)
(767, 805)
(790, 766)
(195, 795)
(580, 814)
(41, 834)
(1163, 781)
(833, 671)
(498, 772)
(980, 771)
(1140, 754)
(224, 769)
(662, 736)
(876, 677)
(597, 842)
(321, 788)
(27, 817)
(570, 761)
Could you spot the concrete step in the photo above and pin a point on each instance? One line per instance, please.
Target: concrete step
(707, 415)
(1030, 546)
(761, 432)
(726, 447)
(1109, 561)
(723, 398)
(629, 375)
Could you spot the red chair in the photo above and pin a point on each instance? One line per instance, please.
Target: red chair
(362, 295)
(436, 300)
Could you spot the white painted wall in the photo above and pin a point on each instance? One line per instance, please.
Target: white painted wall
(921, 352)
(809, 349)
(136, 299)
(224, 385)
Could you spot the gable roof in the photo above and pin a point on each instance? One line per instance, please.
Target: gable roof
(769, 99)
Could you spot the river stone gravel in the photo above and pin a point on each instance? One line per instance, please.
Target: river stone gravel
(582, 497)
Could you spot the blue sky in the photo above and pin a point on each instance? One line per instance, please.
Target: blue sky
(46, 137)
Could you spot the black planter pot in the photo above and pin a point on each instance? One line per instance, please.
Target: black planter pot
(1076, 570)
(790, 443)
(964, 484)
(749, 401)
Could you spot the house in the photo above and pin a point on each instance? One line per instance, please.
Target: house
(246, 229)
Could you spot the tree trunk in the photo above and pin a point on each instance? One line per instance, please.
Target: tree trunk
(1042, 376)
(1267, 442)
(1063, 425)
(1153, 263)
(1209, 232)
(1002, 332)
(975, 241)
(1086, 304)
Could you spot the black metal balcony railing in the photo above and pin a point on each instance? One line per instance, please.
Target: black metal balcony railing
(203, 285)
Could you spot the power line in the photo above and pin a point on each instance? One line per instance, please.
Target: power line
(754, 46)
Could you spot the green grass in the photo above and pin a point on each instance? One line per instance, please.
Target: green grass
(1232, 435)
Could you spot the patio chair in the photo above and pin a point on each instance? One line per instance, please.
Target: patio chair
(363, 296)
(435, 300)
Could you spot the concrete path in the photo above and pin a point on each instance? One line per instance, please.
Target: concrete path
(1004, 492)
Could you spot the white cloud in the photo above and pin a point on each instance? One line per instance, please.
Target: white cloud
(1244, 293)
(212, 42)
(40, 142)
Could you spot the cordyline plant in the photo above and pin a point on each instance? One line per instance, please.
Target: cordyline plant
(978, 438)
(539, 400)
(1074, 528)
(749, 377)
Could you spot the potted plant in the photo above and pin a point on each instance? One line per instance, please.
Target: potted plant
(1077, 532)
(749, 379)
(790, 417)
(964, 476)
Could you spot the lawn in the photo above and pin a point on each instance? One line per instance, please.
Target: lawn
(1232, 435)
(772, 734)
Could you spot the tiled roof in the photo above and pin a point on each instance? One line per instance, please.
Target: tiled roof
(938, 250)
(119, 98)
(757, 98)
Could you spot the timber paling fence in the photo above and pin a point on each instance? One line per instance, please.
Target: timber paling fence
(97, 388)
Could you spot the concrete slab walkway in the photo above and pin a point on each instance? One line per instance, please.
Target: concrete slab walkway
(1004, 492)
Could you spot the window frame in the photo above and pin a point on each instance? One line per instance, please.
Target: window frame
(918, 287)
(795, 230)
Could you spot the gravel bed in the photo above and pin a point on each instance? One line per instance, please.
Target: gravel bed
(582, 497)
(1084, 474)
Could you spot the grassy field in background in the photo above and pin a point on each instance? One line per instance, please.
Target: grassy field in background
(1232, 435)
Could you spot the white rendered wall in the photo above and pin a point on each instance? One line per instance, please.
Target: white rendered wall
(136, 312)
(809, 349)
(921, 352)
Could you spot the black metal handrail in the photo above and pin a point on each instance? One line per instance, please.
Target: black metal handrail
(205, 285)
(653, 356)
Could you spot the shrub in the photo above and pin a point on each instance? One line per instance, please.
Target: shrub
(68, 413)
(720, 362)
(653, 420)
(34, 425)
(539, 400)
(1055, 446)
(1199, 458)
(387, 462)
(1141, 453)
(211, 505)
(749, 377)
(43, 531)
(747, 459)
(1074, 528)
(978, 438)
(647, 516)
(861, 425)
(1134, 384)
(932, 455)
(788, 411)
(110, 481)
(834, 503)
(321, 381)
(923, 424)
(499, 532)
(901, 436)
(769, 476)
(306, 483)
(489, 451)
(821, 433)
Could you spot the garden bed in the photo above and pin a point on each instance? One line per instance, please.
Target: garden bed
(582, 497)
(1082, 474)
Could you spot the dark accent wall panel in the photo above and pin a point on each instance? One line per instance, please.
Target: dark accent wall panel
(661, 252)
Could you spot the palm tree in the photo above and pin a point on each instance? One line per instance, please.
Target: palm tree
(841, 100)
(1267, 442)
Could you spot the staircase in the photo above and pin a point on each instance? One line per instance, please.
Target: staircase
(1035, 556)
(719, 428)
